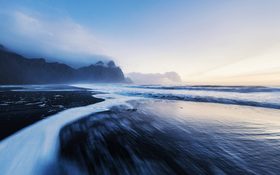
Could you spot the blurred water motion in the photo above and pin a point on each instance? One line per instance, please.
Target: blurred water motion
(173, 138)
(153, 130)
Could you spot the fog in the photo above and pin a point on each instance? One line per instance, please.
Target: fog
(164, 78)
(56, 39)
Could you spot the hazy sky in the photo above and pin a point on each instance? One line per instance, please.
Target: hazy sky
(217, 41)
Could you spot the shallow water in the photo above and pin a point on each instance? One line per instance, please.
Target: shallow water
(267, 97)
(175, 138)
(247, 138)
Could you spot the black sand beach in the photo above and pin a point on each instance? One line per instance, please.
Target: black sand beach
(169, 138)
(21, 106)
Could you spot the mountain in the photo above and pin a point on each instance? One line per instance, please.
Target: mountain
(16, 69)
(2, 47)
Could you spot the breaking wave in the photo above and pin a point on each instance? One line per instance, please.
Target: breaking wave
(206, 99)
(239, 89)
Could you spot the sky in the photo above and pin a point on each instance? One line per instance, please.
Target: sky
(205, 42)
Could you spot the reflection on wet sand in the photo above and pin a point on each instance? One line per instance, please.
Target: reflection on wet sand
(161, 137)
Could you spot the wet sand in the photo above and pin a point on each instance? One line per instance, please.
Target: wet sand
(160, 137)
(23, 106)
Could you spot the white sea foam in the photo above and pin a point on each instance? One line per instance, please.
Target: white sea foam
(268, 97)
(31, 150)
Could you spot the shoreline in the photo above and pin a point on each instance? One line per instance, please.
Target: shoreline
(35, 148)
(149, 136)
(21, 107)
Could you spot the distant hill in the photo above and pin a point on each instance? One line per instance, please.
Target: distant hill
(16, 69)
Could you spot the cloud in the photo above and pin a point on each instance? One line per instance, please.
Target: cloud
(61, 39)
(165, 78)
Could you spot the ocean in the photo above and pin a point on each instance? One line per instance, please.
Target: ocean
(154, 129)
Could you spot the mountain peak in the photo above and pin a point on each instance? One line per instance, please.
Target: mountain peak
(111, 64)
(99, 63)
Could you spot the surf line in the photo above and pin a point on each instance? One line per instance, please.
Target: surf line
(34, 149)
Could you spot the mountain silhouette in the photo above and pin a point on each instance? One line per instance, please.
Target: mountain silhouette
(17, 69)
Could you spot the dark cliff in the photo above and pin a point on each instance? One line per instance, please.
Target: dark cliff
(16, 69)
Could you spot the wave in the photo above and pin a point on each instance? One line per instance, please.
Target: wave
(239, 89)
(205, 99)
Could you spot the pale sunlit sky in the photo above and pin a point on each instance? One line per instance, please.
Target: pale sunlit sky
(205, 42)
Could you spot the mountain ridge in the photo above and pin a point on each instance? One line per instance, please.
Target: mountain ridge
(17, 69)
